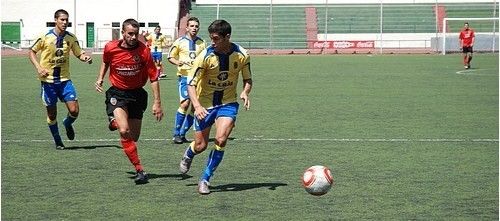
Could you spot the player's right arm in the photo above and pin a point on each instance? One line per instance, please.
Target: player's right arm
(193, 77)
(173, 54)
(461, 40)
(42, 72)
(100, 77)
(473, 37)
(199, 111)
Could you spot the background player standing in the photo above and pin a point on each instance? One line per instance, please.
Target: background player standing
(131, 66)
(158, 42)
(53, 72)
(466, 38)
(212, 89)
(182, 54)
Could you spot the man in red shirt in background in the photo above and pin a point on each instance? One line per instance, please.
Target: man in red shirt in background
(131, 65)
(466, 38)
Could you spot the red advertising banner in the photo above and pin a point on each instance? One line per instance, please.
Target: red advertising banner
(344, 44)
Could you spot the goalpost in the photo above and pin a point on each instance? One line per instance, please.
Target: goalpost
(484, 40)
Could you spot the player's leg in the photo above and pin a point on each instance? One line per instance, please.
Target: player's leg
(53, 127)
(185, 105)
(224, 124)
(469, 53)
(159, 66)
(70, 98)
(197, 146)
(112, 103)
(49, 98)
(135, 115)
(465, 57)
(161, 74)
(73, 109)
(126, 138)
(127, 128)
(201, 135)
(181, 113)
(188, 120)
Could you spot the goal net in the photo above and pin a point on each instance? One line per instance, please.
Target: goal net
(486, 34)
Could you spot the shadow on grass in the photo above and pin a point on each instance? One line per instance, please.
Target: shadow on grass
(243, 186)
(159, 176)
(89, 147)
(213, 139)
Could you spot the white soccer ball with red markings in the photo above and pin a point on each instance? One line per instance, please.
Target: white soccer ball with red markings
(317, 180)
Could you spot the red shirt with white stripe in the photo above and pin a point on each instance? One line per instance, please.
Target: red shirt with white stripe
(130, 68)
(466, 36)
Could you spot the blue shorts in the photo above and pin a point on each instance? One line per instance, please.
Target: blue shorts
(64, 91)
(227, 110)
(182, 86)
(157, 56)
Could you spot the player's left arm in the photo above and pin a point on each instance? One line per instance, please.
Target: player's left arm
(473, 38)
(100, 76)
(247, 84)
(157, 110)
(167, 41)
(247, 87)
(79, 53)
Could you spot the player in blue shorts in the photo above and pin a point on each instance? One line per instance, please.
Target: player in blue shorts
(53, 72)
(212, 84)
(182, 54)
(158, 42)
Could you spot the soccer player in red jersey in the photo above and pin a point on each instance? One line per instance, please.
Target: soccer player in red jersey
(466, 38)
(130, 65)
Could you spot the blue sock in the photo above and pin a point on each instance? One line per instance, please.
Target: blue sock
(179, 119)
(213, 161)
(68, 121)
(190, 153)
(188, 122)
(54, 130)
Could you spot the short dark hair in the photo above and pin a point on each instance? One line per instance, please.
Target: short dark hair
(130, 21)
(221, 27)
(60, 12)
(193, 19)
(466, 23)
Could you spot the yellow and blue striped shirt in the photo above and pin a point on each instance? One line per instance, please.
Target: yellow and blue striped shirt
(55, 51)
(216, 75)
(158, 42)
(186, 50)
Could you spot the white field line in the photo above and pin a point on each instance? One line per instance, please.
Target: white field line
(291, 139)
(474, 72)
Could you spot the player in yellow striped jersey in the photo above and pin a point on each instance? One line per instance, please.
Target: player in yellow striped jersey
(158, 41)
(54, 74)
(182, 54)
(212, 87)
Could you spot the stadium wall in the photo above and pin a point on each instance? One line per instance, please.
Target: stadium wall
(254, 2)
(33, 16)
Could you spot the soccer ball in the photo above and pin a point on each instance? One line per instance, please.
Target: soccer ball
(317, 180)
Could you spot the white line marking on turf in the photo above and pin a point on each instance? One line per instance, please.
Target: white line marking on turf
(293, 139)
(465, 71)
(473, 72)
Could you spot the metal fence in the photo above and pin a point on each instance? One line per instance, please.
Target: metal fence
(374, 27)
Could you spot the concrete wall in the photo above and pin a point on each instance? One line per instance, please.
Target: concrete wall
(334, 1)
(34, 15)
